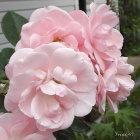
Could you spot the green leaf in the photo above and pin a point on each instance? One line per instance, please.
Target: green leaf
(2, 74)
(79, 126)
(103, 131)
(4, 90)
(65, 135)
(125, 115)
(82, 136)
(2, 109)
(124, 119)
(11, 26)
(136, 74)
(5, 55)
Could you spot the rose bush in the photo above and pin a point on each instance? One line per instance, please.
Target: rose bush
(63, 65)
(93, 34)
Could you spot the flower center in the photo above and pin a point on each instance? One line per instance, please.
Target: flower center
(57, 39)
(64, 76)
(56, 82)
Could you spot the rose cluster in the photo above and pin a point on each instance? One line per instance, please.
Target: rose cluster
(64, 64)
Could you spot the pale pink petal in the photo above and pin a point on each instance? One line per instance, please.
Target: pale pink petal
(68, 59)
(36, 40)
(99, 61)
(25, 34)
(31, 63)
(82, 109)
(102, 8)
(116, 39)
(112, 104)
(20, 55)
(80, 17)
(42, 26)
(67, 118)
(110, 18)
(53, 13)
(25, 101)
(76, 31)
(53, 88)
(36, 136)
(71, 42)
(126, 82)
(17, 86)
(9, 104)
(3, 134)
(37, 109)
(19, 46)
(39, 136)
(68, 101)
(38, 14)
(49, 48)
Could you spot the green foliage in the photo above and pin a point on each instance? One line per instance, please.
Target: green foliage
(123, 122)
(135, 93)
(2, 109)
(136, 74)
(79, 126)
(5, 55)
(124, 119)
(84, 136)
(130, 26)
(11, 26)
(67, 134)
(4, 90)
(2, 74)
(103, 130)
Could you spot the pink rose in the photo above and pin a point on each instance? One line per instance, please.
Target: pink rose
(51, 29)
(14, 126)
(51, 84)
(102, 42)
(51, 24)
(92, 34)
(115, 84)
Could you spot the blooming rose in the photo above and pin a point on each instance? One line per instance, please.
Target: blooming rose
(115, 84)
(103, 44)
(51, 24)
(16, 126)
(93, 34)
(51, 84)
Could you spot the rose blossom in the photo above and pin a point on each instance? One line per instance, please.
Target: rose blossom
(93, 34)
(75, 29)
(16, 126)
(51, 24)
(103, 44)
(51, 84)
(115, 84)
